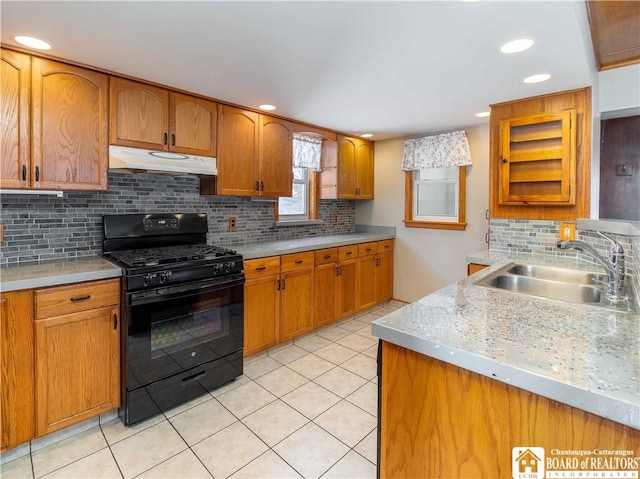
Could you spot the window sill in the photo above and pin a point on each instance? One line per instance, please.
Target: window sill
(278, 224)
(436, 225)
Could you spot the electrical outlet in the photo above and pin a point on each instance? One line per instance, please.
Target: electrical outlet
(336, 219)
(233, 223)
(567, 231)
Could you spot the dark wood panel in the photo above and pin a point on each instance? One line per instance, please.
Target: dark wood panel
(620, 149)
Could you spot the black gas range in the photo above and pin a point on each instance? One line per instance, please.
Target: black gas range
(183, 308)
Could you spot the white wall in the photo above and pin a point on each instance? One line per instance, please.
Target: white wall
(425, 260)
(619, 88)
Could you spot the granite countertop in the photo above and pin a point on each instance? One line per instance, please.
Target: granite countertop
(53, 273)
(584, 356)
(280, 247)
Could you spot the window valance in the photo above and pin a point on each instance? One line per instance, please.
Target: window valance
(438, 151)
(307, 152)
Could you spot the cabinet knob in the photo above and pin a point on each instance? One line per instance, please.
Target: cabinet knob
(504, 160)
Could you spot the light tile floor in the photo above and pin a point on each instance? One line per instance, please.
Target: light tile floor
(304, 409)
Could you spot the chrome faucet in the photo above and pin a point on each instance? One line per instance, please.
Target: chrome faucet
(614, 265)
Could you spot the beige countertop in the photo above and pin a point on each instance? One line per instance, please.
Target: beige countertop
(585, 356)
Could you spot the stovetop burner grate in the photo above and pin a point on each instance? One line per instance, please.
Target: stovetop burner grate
(168, 254)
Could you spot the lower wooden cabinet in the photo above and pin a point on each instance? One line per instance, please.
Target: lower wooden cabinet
(296, 297)
(474, 268)
(384, 277)
(347, 280)
(16, 354)
(77, 354)
(261, 313)
(325, 286)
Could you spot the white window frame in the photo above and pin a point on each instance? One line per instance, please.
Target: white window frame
(298, 217)
(432, 182)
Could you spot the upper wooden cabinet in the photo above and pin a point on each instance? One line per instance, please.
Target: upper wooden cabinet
(15, 111)
(146, 116)
(538, 155)
(254, 155)
(63, 124)
(355, 168)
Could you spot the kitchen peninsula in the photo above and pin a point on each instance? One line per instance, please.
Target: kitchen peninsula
(468, 373)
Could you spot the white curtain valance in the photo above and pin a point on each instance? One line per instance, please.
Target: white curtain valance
(439, 151)
(307, 152)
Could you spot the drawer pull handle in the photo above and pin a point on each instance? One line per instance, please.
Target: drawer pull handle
(368, 249)
(37, 173)
(386, 246)
(194, 377)
(261, 268)
(24, 172)
(284, 283)
(299, 261)
(115, 321)
(173, 139)
(81, 298)
(326, 256)
(349, 253)
(164, 138)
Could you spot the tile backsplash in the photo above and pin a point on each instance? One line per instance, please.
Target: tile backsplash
(40, 227)
(541, 236)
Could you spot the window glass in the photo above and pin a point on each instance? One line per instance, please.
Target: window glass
(297, 206)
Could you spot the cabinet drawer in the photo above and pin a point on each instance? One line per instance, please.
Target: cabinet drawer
(256, 268)
(384, 246)
(347, 252)
(366, 249)
(326, 256)
(61, 300)
(290, 262)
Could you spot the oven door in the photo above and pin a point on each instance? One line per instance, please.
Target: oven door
(178, 328)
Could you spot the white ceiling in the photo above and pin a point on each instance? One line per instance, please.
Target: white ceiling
(389, 68)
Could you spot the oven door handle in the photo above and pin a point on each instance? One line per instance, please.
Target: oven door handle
(180, 291)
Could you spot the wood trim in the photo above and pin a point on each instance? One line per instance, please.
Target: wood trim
(314, 193)
(460, 225)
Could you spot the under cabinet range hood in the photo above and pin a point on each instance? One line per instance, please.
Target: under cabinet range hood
(160, 162)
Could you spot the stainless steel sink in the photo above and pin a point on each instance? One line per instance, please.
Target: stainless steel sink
(557, 274)
(576, 286)
(577, 293)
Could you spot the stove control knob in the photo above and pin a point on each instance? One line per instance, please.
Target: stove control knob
(149, 279)
(164, 276)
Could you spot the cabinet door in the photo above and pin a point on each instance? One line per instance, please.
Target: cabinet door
(237, 152)
(77, 367)
(346, 286)
(347, 149)
(16, 354)
(276, 150)
(366, 283)
(139, 115)
(539, 159)
(192, 123)
(325, 294)
(69, 127)
(261, 313)
(384, 277)
(296, 302)
(15, 91)
(364, 170)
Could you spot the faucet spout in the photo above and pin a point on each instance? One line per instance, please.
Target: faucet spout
(614, 265)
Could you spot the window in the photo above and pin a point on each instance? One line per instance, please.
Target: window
(435, 198)
(296, 208)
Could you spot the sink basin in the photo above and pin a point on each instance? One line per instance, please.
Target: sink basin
(577, 293)
(557, 274)
(576, 286)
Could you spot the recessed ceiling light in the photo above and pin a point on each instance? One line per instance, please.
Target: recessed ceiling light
(537, 78)
(32, 42)
(267, 107)
(483, 114)
(517, 46)
(366, 135)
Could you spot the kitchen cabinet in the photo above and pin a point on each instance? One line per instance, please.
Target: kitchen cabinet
(326, 286)
(346, 281)
(261, 304)
(427, 405)
(367, 266)
(16, 353)
(254, 155)
(474, 268)
(15, 113)
(54, 123)
(77, 353)
(278, 300)
(538, 159)
(355, 168)
(150, 117)
(384, 272)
